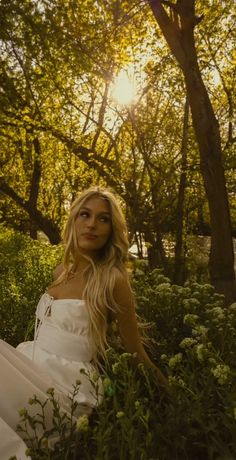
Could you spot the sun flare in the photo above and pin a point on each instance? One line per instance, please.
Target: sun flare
(123, 91)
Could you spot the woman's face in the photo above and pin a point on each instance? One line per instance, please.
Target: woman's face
(93, 225)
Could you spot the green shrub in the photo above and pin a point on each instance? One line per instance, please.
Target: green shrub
(25, 271)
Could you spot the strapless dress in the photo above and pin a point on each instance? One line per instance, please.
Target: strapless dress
(61, 348)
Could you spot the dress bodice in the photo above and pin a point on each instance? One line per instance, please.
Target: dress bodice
(70, 315)
(62, 327)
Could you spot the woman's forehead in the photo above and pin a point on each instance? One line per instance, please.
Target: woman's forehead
(98, 204)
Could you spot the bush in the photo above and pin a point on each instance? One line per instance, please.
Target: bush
(25, 272)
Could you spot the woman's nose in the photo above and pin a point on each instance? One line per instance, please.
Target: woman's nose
(91, 222)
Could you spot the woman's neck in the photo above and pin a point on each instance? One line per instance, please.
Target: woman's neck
(80, 265)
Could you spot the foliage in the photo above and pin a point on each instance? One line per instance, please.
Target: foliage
(190, 420)
(193, 340)
(61, 130)
(26, 268)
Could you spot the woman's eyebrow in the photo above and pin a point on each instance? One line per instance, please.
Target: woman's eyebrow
(86, 208)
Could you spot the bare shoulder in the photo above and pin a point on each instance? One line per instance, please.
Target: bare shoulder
(57, 271)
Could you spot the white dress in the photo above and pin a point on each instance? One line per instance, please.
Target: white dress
(61, 348)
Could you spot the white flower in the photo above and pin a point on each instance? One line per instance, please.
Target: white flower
(190, 304)
(218, 312)
(82, 423)
(187, 342)
(163, 357)
(174, 360)
(190, 319)
(163, 287)
(200, 331)
(221, 373)
(116, 367)
(201, 351)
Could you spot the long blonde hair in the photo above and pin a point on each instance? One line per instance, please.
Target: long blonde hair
(102, 273)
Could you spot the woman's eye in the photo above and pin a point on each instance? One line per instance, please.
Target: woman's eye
(84, 214)
(104, 219)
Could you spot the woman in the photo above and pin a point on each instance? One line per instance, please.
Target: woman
(90, 287)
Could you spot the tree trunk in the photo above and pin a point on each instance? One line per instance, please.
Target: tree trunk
(179, 264)
(44, 224)
(178, 30)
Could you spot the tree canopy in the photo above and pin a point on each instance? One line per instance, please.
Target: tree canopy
(62, 129)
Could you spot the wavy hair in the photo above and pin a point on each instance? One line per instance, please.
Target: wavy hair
(101, 273)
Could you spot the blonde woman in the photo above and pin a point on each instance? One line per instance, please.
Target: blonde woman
(90, 286)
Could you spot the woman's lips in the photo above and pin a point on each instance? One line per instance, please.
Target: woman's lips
(89, 236)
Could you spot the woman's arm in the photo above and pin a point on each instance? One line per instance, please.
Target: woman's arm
(128, 327)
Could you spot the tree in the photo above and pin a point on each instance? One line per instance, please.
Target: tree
(178, 29)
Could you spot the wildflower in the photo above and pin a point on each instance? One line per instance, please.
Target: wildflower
(120, 414)
(141, 367)
(50, 391)
(201, 352)
(82, 423)
(78, 382)
(200, 331)
(110, 352)
(139, 272)
(32, 401)
(44, 442)
(163, 287)
(125, 356)
(22, 412)
(137, 404)
(218, 312)
(163, 357)
(190, 319)
(188, 342)
(83, 371)
(176, 381)
(190, 304)
(208, 287)
(221, 373)
(174, 360)
(116, 368)
(95, 377)
(212, 361)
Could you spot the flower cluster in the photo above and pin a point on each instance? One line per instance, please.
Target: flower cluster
(190, 319)
(175, 360)
(221, 372)
(188, 342)
(82, 423)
